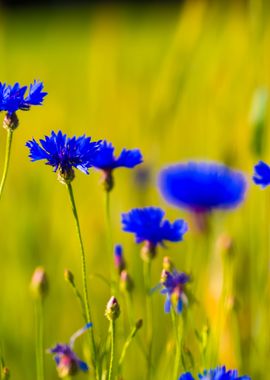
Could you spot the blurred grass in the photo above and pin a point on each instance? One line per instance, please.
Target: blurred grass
(176, 82)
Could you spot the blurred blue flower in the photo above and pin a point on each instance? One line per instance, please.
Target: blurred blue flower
(148, 226)
(219, 373)
(105, 159)
(67, 362)
(262, 174)
(174, 288)
(12, 98)
(119, 260)
(202, 186)
(64, 153)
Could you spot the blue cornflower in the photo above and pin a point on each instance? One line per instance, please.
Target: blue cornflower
(13, 98)
(64, 153)
(107, 162)
(219, 373)
(174, 288)
(67, 362)
(148, 226)
(262, 174)
(202, 186)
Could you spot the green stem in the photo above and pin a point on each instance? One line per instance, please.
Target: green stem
(178, 331)
(149, 314)
(7, 159)
(39, 339)
(84, 277)
(128, 342)
(112, 328)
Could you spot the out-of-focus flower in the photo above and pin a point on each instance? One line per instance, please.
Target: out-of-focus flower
(262, 174)
(219, 373)
(148, 226)
(64, 153)
(119, 260)
(12, 98)
(202, 186)
(174, 288)
(107, 162)
(67, 362)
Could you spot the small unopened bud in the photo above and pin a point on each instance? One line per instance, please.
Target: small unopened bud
(126, 283)
(119, 260)
(224, 244)
(68, 275)
(167, 264)
(11, 121)
(139, 324)
(107, 180)
(5, 373)
(164, 276)
(65, 176)
(148, 251)
(39, 283)
(112, 311)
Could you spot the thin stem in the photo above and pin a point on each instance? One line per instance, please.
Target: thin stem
(127, 343)
(39, 339)
(84, 276)
(149, 314)
(178, 331)
(112, 328)
(7, 159)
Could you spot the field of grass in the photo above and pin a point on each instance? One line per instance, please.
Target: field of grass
(177, 83)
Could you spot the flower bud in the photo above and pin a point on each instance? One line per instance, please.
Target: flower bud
(167, 264)
(119, 261)
(148, 251)
(112, 311)
(126, 283)
(69, 277)
(11, 121)
(5, 375)
(39, 283)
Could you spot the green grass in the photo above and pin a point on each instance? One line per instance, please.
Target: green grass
(177, 83)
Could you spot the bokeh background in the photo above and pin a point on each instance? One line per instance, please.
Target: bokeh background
(178, 81)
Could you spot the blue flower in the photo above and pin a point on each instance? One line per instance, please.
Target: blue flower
(107, 162)
(64, 153)
(262, 174)
(219, 373)
(148, 226)
(174, 288)
(67, 362)
(105, 159)
(202, 186)
(12, 98)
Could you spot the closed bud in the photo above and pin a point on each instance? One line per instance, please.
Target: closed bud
(126, 283)
(11, 121)
(119, 260)
(112, 311)
(148, 251)
(68, 275)
(5, 375)
(167, 264)
(39, 283)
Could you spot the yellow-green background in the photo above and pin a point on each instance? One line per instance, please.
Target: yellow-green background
(176, 82)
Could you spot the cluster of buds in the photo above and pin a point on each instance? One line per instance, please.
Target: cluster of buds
(125, 281)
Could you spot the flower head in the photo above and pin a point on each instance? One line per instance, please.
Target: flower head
(12, 98)
(148, 226)
(64, 153)
(67, 362)
(202, 186)
(262, 174)
(219, 373)
(174, 288)
(106, 161)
